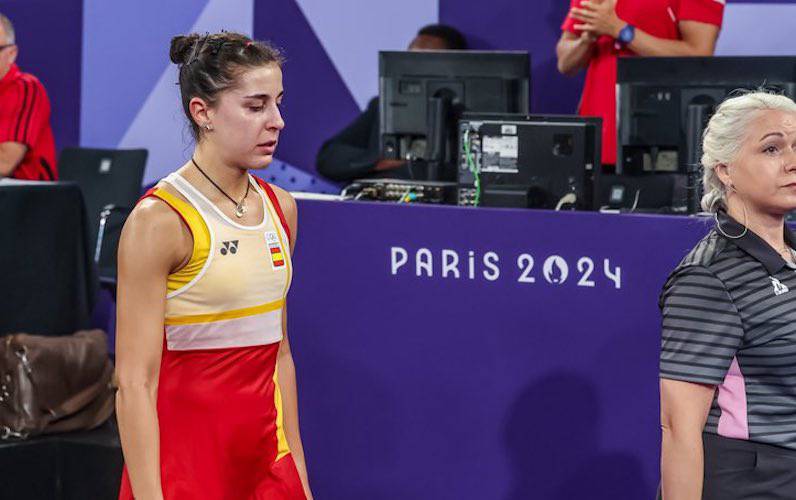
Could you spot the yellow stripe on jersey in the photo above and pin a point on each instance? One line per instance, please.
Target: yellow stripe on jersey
(281, 440)
(201, 240)
(234, 314)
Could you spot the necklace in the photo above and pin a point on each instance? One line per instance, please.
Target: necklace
(786, 253)
(240, 207)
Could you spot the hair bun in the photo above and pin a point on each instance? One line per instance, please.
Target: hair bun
(181, 48)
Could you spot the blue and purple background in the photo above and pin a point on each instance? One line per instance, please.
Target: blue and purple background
(530, 384)
(105, 64)
(415, 386)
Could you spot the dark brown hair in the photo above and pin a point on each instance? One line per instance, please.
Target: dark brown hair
(211, 63)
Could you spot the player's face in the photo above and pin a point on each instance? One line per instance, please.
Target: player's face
(247, 119)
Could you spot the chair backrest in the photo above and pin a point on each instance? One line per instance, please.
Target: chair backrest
(106, 177)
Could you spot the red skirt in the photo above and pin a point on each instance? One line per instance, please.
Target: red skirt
(218, 427)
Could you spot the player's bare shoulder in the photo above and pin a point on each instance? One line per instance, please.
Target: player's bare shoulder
(154, 231)
(287, 202)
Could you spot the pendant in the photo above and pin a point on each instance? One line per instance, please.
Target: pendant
(240, 210)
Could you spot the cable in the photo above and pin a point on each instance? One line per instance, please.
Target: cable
(474, 169)
(635, 202)
(368, 191)
(405, 198)
(344, 192)
(409, 166)
(570, 198)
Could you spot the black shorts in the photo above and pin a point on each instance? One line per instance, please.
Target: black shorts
(742, 470)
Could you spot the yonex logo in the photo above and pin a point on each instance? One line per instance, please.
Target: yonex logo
(229, 247)
(779, 287)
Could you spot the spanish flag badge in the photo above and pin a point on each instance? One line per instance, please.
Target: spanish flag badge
(275, 253)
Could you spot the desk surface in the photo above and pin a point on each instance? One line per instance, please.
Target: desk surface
(459, 353)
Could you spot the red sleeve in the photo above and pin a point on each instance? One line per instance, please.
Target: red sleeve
(24, 113)
(149, 192)
(703, 11)
(569, 22)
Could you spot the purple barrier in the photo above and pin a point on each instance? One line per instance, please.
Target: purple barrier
(450, 353)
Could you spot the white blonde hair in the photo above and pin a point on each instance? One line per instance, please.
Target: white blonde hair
(724, 136)
(8, 28)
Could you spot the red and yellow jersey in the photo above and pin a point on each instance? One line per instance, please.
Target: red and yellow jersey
(231, 292)
(219, 406)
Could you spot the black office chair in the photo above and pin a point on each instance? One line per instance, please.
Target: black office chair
(111, 184)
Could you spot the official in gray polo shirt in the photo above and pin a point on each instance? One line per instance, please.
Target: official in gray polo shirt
(728, 351)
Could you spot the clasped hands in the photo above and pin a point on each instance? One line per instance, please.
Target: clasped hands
(596, 18)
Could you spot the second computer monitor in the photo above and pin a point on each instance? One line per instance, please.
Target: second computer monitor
(664, 103)
(422, 94)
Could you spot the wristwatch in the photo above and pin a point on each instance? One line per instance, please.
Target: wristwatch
(626, 34)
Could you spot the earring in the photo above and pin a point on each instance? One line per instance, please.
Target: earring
(208, 127)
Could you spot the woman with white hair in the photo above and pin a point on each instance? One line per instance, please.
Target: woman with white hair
(728, 351)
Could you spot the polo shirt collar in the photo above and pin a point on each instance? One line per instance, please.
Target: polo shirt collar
(753, 244)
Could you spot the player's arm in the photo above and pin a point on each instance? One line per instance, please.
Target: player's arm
(286, 368)
(153, 244)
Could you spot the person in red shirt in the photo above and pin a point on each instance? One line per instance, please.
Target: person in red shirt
(27, 148)
(596, 32)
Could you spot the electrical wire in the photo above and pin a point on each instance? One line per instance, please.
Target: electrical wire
(368, 191)
(344, 192)
(635, 202)
(474, 169)
(405, 198)
(567, 199)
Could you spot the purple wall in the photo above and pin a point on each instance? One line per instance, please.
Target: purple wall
(512, 25)
(49, 35)
(317, 102)
(432, 387)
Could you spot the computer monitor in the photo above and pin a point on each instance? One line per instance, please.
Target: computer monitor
(665, 103)
(528, 161)
(422, 94)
